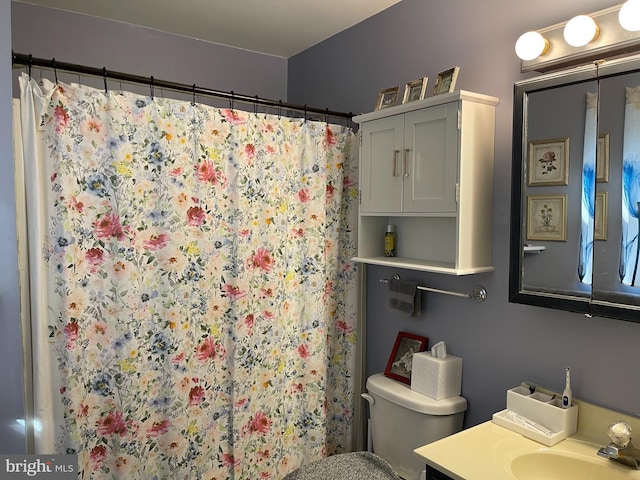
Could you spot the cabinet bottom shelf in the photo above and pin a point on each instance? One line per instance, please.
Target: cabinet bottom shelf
(422, 265)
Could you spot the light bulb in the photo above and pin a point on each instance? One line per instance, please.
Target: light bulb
(580, 30)
(629, 15)
(531, 45)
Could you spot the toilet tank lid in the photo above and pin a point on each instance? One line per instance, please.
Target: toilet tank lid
(401, 394)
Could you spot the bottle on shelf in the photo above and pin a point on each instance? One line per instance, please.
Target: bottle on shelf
(390, 241)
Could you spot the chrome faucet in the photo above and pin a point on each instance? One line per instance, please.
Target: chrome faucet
(621, 449)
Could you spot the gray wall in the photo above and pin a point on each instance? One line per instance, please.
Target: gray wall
(92, 41)
(502, 344)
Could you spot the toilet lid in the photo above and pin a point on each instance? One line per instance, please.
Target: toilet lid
(401, 394)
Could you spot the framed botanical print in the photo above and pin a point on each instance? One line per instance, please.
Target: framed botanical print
(387, 98)
(415, 90)
(446, 81)
(549, 162)
(547, 217)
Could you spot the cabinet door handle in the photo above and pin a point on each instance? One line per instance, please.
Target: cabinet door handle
(395, 162)
(404, 167)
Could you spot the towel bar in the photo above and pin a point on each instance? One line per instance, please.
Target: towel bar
(478, 294)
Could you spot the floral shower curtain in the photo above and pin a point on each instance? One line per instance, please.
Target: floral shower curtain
(193, 301)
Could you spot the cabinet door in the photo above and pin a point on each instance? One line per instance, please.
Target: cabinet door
(430, 159)
(381, 165)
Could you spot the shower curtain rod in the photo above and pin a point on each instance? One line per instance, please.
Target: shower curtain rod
(31, 61)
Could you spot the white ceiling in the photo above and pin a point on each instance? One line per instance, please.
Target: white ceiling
(277, 27)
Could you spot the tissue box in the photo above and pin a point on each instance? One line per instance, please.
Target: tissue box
(437, 378)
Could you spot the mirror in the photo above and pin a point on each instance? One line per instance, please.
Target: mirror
(575, 206)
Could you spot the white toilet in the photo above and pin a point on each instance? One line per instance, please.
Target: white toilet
(403, 420)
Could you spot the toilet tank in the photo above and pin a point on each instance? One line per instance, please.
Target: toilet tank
(403, 420)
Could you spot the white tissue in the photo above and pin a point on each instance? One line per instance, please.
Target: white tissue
(437, 378)
(439, 350)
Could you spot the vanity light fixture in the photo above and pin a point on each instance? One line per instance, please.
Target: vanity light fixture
(585, 38)
(629, 15)
(531, 45)
(580, 31)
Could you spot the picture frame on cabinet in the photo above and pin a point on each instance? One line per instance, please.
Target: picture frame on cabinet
(387, 97)
(547, 217)
(415, 90)
(549, 162)
(401, 359)
(602, 159)
(446, 81)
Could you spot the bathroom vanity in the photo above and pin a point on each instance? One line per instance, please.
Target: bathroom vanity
(491, 452)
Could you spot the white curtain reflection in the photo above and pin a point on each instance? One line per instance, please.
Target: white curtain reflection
(585, 262)
(630, 246)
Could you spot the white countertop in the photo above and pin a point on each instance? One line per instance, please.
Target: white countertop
(485, 452)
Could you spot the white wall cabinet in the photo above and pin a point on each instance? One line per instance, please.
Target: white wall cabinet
(427, 167)
(408, 162)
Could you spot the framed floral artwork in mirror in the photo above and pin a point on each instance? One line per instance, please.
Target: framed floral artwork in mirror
(547, 217)
(600, 216)
(602, 159)
(549, 162)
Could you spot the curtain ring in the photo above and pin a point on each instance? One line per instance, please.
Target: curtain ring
(55, 71)
(193, 101)
(326, 116)
(279, 109)
(104, 77)
(30, 64)
(231, 101)
(255, 106)
(305, 113)
(152, 86)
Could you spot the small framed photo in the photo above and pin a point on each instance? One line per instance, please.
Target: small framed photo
(602, 159)
(415, 90)
(401, 359)
(387, 98)
(600, 216)
(446, 81)
(547, 217)
(549, 162)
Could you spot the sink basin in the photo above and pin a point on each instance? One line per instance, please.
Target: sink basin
(556, 466)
